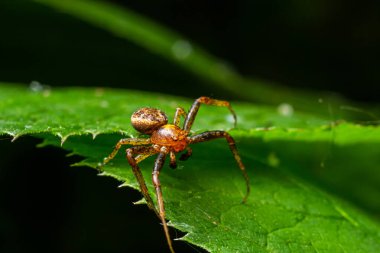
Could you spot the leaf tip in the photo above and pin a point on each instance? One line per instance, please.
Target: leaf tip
(102, 174)
(123, 185)
(140, 202)
(63, 138)
(15, 137)
(94, 134)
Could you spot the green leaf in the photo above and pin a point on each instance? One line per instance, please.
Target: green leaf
(289, 210)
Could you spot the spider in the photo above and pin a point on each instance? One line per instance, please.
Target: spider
(167, 140)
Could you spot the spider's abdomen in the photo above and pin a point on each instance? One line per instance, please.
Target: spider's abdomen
(146, 120)
(170, 136)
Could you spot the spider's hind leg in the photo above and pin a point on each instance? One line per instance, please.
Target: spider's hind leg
(210, 135)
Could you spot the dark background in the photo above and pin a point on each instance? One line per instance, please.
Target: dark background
(47, 206)
(327, 45)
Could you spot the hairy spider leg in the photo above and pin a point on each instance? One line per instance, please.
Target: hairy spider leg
(127, 141)
(143, 156)
(141, 151)
(210, 135)
(160, 201)
(177, 116)
(187, 154)
(208, 101)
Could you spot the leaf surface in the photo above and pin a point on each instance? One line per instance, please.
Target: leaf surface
(289, 209)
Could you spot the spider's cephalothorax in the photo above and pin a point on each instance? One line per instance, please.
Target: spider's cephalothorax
(168, 139)
(170, 136)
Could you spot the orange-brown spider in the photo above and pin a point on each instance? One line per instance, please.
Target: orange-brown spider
(169, 139)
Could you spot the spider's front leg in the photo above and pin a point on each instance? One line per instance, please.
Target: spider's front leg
(208, 101)
(210, 135)
(142, 152)
(127, 141)
(160, 201)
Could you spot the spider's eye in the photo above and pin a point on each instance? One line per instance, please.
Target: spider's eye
(147, 120)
